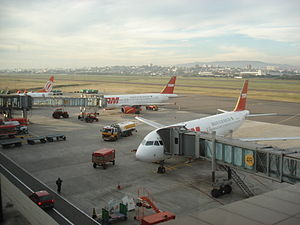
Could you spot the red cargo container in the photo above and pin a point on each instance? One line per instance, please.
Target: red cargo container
(102, 156)
(22, 121)
(8, 130)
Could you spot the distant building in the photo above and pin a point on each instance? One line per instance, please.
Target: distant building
(253, 73)
(273, 68)
(249, 67)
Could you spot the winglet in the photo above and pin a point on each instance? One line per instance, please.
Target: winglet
(170, 86)
(241, 103)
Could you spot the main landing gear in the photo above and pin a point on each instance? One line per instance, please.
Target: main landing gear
(221, 188)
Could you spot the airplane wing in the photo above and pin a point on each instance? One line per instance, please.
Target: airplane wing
(150, 122)
(221, 110)
(253, 115)
(270, 139)
(262, 114)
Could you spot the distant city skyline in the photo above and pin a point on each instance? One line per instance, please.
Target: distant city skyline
(75, 33)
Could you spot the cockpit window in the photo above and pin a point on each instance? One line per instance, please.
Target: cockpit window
(156, 143)
(149, 143)
(161, 143)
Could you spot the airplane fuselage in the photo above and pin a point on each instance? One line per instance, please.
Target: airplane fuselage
(37, 94)
(152, 149)
(222, 123)
(136, 99)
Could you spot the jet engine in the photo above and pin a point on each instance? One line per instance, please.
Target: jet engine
(130, 110)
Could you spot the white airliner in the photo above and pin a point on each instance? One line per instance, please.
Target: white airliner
(45, 92)
(152, 149)
(132, 103)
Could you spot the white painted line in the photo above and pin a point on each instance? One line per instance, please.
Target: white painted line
(62, 216)
(33, 191)
(49, 188)
(17, 178)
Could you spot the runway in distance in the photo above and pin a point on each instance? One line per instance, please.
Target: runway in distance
(45, 92)
(132, 103)
(152, 147)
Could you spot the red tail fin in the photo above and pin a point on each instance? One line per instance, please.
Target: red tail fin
(48, 85)
(241, 103)
(170, 86)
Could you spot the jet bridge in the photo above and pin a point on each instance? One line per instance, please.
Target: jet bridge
(63, 101)
(25, 103)
(229, 154)
(20, 102)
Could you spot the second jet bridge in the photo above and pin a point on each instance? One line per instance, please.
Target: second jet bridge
(277, 164)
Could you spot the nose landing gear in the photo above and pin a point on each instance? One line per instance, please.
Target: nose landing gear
(161, 168)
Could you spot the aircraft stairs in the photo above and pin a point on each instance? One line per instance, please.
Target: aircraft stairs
(238, 180)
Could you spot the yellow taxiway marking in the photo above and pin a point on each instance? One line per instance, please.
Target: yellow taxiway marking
(176, 166)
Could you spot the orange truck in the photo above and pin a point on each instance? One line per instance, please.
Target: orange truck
(103, 156)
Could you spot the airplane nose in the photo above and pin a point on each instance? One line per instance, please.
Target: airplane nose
(142, 154)
(139, 155)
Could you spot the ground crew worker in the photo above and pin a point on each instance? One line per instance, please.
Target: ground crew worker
(58, 183)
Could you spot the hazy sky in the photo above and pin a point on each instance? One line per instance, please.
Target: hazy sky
(76, 33)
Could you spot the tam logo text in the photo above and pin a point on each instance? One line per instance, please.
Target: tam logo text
(113, 100)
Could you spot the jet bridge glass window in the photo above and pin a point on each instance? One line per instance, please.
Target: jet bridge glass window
(228, 153)
(219, 151)
(149, 143)
(238, 156)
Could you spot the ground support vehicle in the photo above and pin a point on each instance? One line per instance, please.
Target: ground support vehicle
(43, 199)
(57, 137)
(6, 143)
(22, 121)
(21, 129)
(59, 112)
(57, 92)
(114, 131)
(89, 91)
(8, 131)
(158, 217)
(152, 107)
(88, 117)
(12, 126)
(110, 218)
(103, 156)
(33, 140)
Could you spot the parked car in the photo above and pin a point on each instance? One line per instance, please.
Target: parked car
(43, 199)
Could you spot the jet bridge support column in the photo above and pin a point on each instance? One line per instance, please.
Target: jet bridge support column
(213, 157)
(219, 187)
(24, 113)
(197, 145)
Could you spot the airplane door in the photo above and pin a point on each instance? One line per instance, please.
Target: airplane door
(175, 141)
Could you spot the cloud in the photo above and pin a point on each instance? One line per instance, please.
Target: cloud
(108, 32)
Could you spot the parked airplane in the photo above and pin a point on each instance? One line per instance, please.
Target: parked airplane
(152, 147)
(132, 103)
(45, 92)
